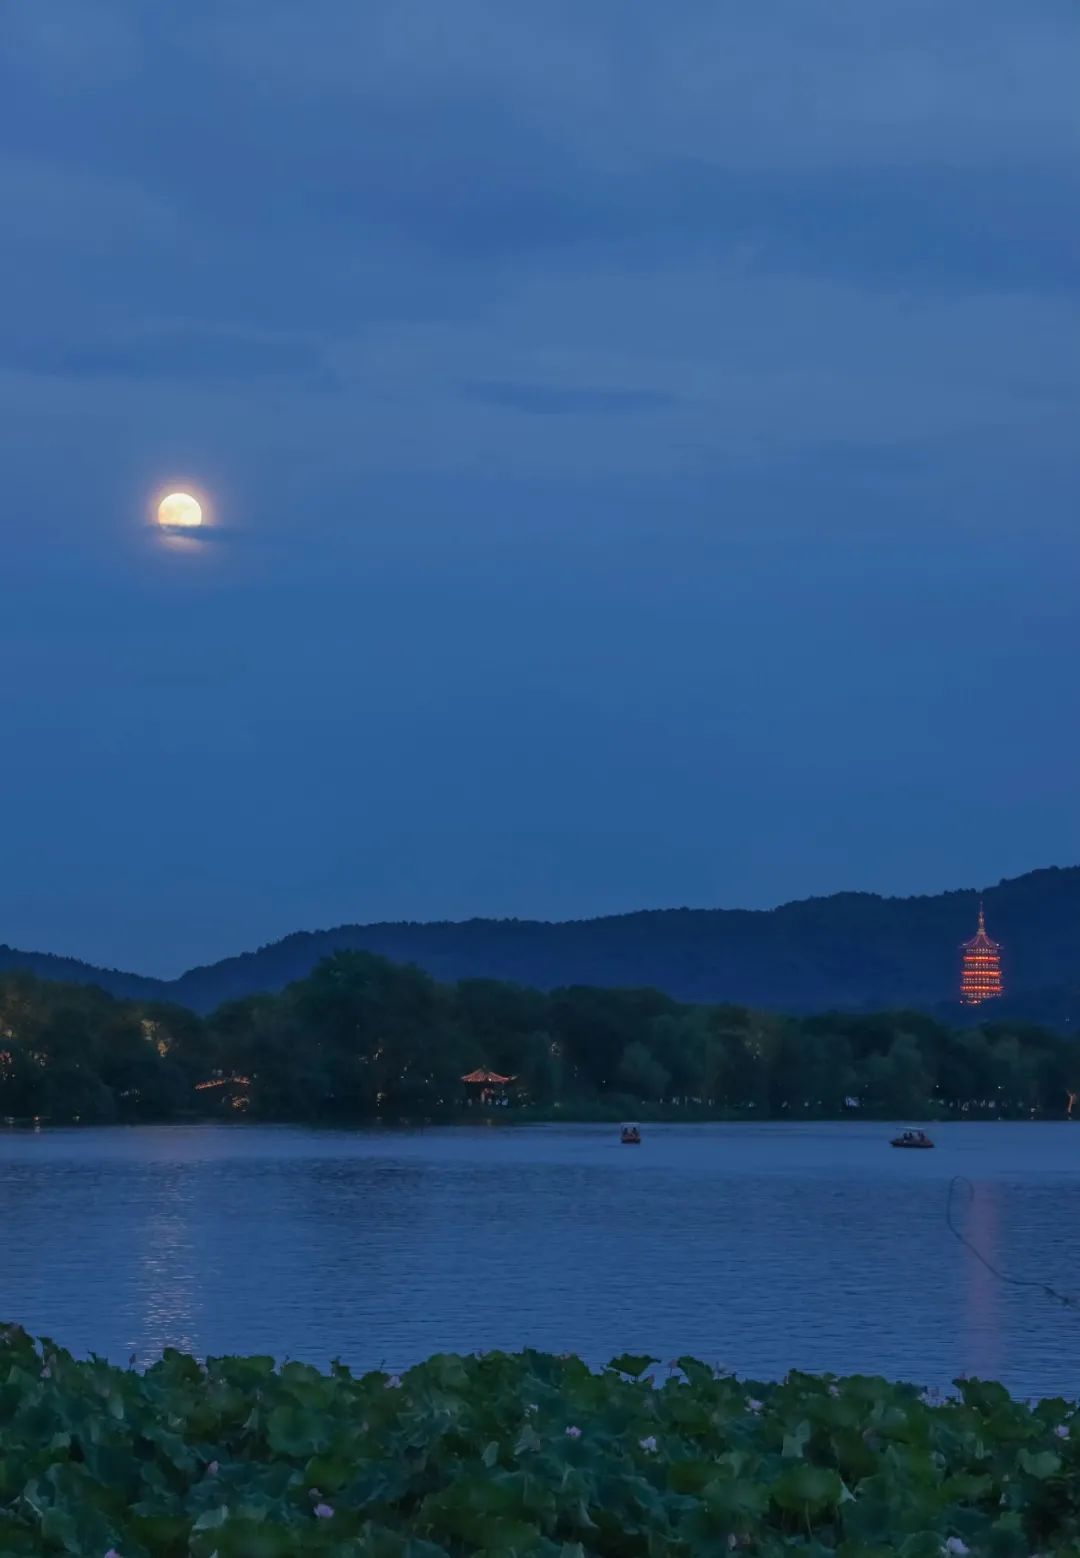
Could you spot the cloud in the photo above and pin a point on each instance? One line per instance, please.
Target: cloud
(63, 46)
(197, 535)
(179, 355)
(60, 207)
(551, 400)
(796, 227)
(684, 328)
(788, 84)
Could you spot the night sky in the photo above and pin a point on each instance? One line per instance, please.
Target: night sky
(641, 443)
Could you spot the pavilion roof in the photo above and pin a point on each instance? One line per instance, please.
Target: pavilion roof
(485, 1076)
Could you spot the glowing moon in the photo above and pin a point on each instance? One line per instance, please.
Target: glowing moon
(179, 511)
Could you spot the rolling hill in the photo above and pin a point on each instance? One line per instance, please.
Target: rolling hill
(853, 951)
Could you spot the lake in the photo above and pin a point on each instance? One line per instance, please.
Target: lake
(760, 1247)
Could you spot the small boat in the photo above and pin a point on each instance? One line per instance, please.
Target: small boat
(630, 1136)
(912, 1139)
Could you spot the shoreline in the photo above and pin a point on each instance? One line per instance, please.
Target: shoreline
(519, 1119)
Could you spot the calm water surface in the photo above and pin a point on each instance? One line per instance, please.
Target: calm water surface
(762, 1247)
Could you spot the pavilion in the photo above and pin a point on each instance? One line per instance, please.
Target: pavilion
(492, 1086)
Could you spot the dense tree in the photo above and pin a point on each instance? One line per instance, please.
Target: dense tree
(362, 1038)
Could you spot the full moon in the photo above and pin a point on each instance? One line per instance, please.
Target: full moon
(179, 511)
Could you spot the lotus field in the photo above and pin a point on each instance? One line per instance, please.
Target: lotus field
(526, 1454)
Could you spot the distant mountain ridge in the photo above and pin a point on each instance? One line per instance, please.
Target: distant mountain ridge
(849, 951)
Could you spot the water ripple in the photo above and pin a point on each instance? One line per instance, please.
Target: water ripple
(764, 1248)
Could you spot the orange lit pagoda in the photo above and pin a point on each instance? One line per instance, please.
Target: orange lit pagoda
(981, 977)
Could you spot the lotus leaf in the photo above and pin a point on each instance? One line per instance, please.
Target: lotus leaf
(525, 1455)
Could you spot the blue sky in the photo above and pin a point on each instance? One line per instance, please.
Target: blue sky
(641, 440)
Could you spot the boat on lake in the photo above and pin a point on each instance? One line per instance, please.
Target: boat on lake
(913, 1139)
(630, 1136)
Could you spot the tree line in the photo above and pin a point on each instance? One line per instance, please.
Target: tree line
(365, 1039)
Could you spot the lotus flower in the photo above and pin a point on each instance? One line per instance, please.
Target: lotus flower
(957, 1545)
(648, 1445)
(573, 1432)
(324, 1512)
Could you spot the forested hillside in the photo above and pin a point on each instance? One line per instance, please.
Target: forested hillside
(852, 951)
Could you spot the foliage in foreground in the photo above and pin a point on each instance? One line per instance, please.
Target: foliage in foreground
(364, 1039)
(524, 1455)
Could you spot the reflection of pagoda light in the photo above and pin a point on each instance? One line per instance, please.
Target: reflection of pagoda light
(981, 977)
(983, 1339)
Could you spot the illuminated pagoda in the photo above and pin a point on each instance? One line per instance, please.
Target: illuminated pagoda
(981, 977)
